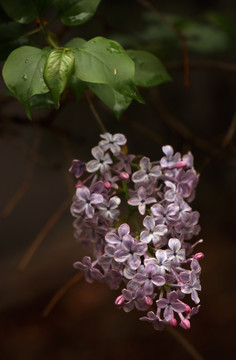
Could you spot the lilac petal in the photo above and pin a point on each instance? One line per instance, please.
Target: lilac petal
(78, 207)
(149, 222)
(97, 152)
(194, 296)
(168, 150)
(83, 193)
(134, 261)
(155, 171)
(142, 208)
(172, 297)
(145, 237)
(140, 248)
(174, 244)
(107, 159)
(89, 210)
(121, 255)
(110, 250)
(139, 176)
(120, 139)
(134, 201)
(145, 164)
(92, 166)
(178, 307)
(160, 229)
(168, 313)
(162, 303)
(139, 278)
(128, 273)
(114, 202)
(157, 210)
(96, 199)
(123, 230)
(161, 256)
(148, 287)
(127, 294)
(150, 200)
(158, 280)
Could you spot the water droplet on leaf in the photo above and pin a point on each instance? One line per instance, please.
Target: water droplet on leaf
(26, 61)
(24, 77)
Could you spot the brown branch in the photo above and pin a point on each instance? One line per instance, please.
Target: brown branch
(20, 192)
(58, 295)
(181, 37)
(43, 233)
(92, 108)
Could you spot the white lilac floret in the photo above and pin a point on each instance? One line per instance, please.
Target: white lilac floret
(135, 215)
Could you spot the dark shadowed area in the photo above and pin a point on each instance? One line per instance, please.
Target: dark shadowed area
(36, 192)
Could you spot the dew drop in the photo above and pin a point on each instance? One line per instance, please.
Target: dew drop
(24, 77)
(26, 61)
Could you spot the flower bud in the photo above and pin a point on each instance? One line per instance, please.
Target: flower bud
(173, 322)
(180, 164)
(185, 324)
(148, 300)
(107, 185)
(124, 176)
(119, 300)
(198, 256)
(79, 183)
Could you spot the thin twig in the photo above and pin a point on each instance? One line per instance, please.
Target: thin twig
(92, 108)
(43, 233)
(224, 143)
(230, 133)
(184, 342)
(20, 192)
(181, 37)
(69, 154)
(58, 295)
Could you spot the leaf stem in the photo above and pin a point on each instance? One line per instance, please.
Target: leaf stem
(97, 117)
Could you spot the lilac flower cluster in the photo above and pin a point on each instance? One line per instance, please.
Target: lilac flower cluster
(154, 263)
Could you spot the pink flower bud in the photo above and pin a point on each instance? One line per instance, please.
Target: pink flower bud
(79, 183)
(198, 256)
(173, 322)
(187, 308)
(180, 283)
(185, 324)
(148, 300)
(119, 300)
(124, 176)
(107, 185)
(180, 164)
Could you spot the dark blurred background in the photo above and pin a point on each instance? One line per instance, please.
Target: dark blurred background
(36, 190)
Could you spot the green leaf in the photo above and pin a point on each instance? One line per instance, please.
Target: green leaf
(57, 72)
(226, 23)
(149, 70)
(103, 61)
(74, 43)
(41, 101)
(77, 86)
(116, 101)
(205, 38)
(24, 11)
(76, 12)
(23, 74)
(11, 37)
